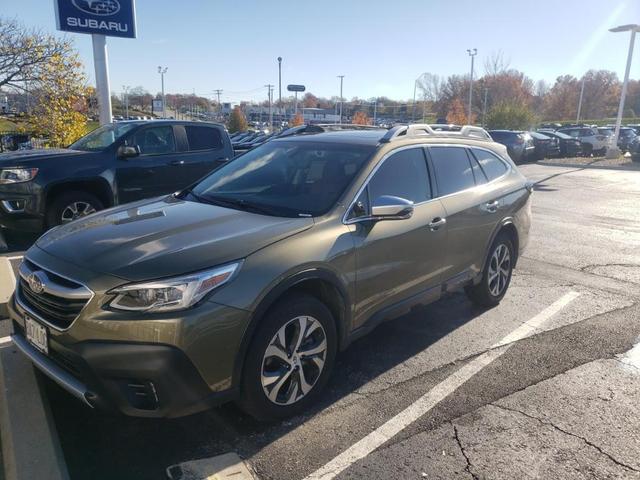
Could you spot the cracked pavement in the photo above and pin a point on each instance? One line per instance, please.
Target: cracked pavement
(563, 402)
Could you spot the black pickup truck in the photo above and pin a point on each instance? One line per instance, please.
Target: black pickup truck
(115, 164)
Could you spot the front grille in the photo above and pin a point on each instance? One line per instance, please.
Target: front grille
(58, 310)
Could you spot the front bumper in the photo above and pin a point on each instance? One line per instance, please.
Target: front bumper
(142, 379)
(29, 216)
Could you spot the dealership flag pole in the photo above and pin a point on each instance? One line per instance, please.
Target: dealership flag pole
(100, 62)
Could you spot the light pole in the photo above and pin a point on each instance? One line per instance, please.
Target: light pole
(484, 108)
(125, 89)
(162, 71)
(614, 151)
(472, 54)
(270, 87)
(341, 77)
(280, 88)
(580, 100)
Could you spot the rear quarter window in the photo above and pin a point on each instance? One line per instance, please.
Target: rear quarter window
(492, 166)
(203, 138)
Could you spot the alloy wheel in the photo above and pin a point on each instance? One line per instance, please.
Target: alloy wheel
(499, 270)
(294, 360)
(76, 210)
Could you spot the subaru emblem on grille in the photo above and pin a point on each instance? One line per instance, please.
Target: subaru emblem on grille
(36, 282)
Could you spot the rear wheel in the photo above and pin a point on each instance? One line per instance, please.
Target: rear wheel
(496, 276)
(587, 149)
(70, 206)
(289, 360)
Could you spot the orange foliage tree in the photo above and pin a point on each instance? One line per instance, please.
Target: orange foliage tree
(360, 118)
(297, 120)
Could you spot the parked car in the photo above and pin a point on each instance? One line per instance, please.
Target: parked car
(569, 146)
(117, 163)
(625, 137)
(592, 141)
(519, 144)
(545, 146)
(246, 285)
(634, 149)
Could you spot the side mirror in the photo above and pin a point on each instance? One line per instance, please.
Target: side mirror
(128, 151)
(388, 207)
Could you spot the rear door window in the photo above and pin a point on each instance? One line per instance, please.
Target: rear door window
(492, 166)
(453, 169)
(203, 138)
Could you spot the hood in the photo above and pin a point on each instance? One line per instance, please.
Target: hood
(165, 237)
(24, 157)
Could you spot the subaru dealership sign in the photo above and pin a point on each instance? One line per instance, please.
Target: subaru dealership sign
(113, 18)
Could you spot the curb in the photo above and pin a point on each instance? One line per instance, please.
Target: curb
(587, 166)
(7, 284)
(30, 445)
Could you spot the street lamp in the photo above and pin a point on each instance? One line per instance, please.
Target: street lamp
(125, 89)
(614, 152)
(415, 86)
(162, 71)
(280, 87)
(341, 77)
(472, 54)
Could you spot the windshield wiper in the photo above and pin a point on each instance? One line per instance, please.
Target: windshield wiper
(241, 204)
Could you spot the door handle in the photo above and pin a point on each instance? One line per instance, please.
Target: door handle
(492, 207)
(436, 223)
(176, 162)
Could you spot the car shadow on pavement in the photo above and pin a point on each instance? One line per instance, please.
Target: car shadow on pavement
(105, 446)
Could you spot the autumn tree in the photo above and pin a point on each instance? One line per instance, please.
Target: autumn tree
(310, 100)
(296, 120)
(512, 115)
(457, 113)
(561, 102)
(237, 121)
(360, 118)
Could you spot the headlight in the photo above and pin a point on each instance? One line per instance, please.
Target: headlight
(173, 293)
(17, 175)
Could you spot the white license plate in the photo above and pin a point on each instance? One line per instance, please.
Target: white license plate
(36, 334)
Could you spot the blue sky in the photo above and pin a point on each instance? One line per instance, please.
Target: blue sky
(380, 46)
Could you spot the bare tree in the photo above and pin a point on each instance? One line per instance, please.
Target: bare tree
(24, 54)
(496, 64)
(431, 86)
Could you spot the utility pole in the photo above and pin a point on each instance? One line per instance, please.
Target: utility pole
(218, 92)
(413, 113)
(484, 107)
(472, 54)
(341, 77)
(375, 110)
(580, 101)
(162, 71)
(270, 87)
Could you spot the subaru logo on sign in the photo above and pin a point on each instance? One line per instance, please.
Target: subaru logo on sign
(36, 282)
(98, 7)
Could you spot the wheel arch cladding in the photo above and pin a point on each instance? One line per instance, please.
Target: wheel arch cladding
(96, 186)
(318, 283)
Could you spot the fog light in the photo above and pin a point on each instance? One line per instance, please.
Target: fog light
(13, 206)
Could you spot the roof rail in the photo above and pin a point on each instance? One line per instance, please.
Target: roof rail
(422, 129)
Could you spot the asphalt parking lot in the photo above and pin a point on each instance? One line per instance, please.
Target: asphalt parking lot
(546, 385)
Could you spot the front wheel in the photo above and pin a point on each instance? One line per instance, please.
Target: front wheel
(289, 360)
(496, 275)
(70, 206)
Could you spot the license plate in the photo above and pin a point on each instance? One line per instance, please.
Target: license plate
(36, 334)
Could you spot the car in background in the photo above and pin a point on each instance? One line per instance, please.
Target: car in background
(635, 127)
(519, 144)
(593, 142)
(114, 164)
(625, 137)
(634, 149)
(545, 146)
(569, 146)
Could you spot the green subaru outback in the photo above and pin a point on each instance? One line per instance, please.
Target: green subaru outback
(247, 284)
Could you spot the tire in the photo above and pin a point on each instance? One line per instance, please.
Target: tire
(485, 293)
(281, 394)
(62, 208)
(587, 149)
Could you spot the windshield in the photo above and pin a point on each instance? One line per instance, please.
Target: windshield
(102, 137)
(285, 178)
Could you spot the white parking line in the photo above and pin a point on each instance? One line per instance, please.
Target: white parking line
(4, 340)
(429, 400)
(16, 257)
(7, 280)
